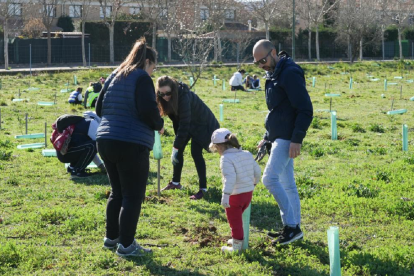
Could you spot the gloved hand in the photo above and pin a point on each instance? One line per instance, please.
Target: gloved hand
(225, 200)
(174, 158)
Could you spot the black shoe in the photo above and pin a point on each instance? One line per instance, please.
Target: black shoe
(288, 235)
(274, 235)
(69, 169)
(79, 174)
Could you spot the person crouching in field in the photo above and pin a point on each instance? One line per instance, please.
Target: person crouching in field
(240, 174)
(76, 96)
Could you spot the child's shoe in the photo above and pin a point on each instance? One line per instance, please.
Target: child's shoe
(237, 247)
(230, 242)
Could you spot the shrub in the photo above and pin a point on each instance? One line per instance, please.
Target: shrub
(358, 128)
(377, 128)
(360, 190)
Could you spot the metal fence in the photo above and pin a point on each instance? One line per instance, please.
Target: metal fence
(34, 52)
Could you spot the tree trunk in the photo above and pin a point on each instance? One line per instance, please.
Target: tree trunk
(154, 35)
(83, 44)
(215, 48)
(111, 43)
(349, 49)
(6, 45)
(267, 30)
(310, 44)
(360, 50)
(49, 47)
(169, 48)
(219, 46)
(238, 54)
(383, 44)
(399, 43)
(318, 57)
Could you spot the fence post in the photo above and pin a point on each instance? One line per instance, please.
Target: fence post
(30, 58)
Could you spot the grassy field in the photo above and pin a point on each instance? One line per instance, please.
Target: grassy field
(363, 183)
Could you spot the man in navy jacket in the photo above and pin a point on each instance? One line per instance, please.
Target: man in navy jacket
(289, 117)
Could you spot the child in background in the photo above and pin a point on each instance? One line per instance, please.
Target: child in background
(240, 173)
(76, 96)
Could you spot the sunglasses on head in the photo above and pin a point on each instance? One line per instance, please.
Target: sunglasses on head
(162, 95)
(263, 60)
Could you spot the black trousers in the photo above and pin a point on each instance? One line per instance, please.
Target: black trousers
(239, 87)
(200, 164)
(127, 165)
(79, 156)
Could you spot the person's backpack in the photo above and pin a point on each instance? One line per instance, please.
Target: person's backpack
(97, 87)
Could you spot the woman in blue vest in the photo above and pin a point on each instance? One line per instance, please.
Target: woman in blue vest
(76, 96)
(192, 119)
(125, 137)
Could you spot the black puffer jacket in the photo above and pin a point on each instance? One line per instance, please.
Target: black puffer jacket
(194, 119)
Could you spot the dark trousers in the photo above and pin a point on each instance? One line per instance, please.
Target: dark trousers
(200, 164)
(127, 165)
(239, 87)
(79, 156)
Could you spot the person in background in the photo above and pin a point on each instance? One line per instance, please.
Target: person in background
(76, 96)
(240, 174)
(290, 115)
(192, 120)
(236, 81)
(255, 82)
(247, 82)
(125, 137)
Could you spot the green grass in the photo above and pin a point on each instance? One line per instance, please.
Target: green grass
(363, 183)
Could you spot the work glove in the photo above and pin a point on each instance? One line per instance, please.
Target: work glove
(225, 200)
(174, 157)
(266, 146)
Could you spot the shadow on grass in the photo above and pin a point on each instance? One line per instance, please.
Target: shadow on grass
(95, 179)
(156, 268)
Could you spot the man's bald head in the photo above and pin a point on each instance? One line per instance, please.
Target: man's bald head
(263, 45)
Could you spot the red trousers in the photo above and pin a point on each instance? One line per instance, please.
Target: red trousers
(238, 203)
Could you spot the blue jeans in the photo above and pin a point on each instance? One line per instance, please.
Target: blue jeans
(278, 178)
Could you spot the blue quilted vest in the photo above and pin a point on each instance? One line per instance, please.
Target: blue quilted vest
(120, 120)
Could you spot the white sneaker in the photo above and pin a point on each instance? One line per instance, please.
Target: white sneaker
(230, 242)
(237, 247)
(133, 250)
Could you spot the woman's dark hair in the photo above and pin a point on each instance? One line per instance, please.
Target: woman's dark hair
(241, 71)
(79, 89)
(170, 107)
(136, 58)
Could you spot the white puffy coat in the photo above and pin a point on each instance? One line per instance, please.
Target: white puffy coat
(236, 79)
(239, 171)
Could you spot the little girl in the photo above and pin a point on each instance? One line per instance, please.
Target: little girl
(240, 173)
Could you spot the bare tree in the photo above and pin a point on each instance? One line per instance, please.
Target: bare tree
(10, 15)
(169, 20)
(357, 26)
(81, 9)
(241, 40)
(313, 13)
(151, 11)
(266, 11)
(48, 15)
(194, 49)
(398, 11)
(109, 10)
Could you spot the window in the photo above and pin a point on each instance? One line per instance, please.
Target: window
(15, 9)
(411, 19)
(49, 10)
(134, 10)
(75, 11)
(229, 14)
(108, 11)
(204, 14)
(163, 13)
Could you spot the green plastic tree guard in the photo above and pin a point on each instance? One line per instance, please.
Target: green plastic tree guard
(334, 255)
(46, 103)
(49, 152)
(215, 79)
(398, 78)
(157, 149)
(224, 85)
(246, 226)
(75, 80)
(65, 90)
(30, 136)
(332, 95)
(385, 85)
(231, 101)
(350, 83)
(405, 137)
(397, 111)
(31, 146)
(313, 81)
(221, 112)
(333, 126)
(412, 99)
(191, 81)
